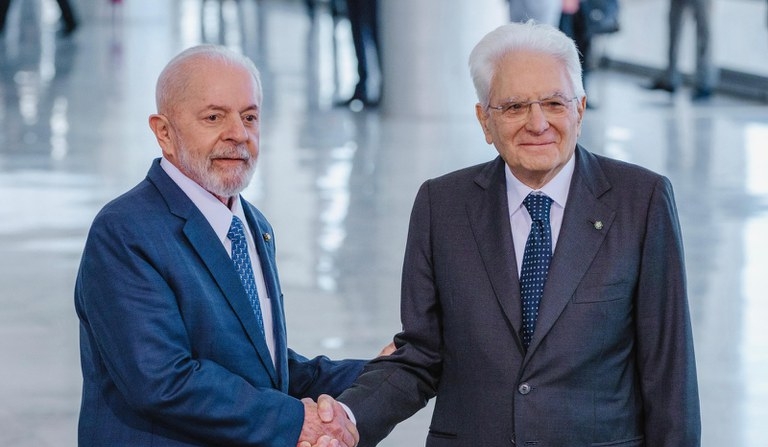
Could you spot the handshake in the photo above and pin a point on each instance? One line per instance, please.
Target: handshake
(326, 424)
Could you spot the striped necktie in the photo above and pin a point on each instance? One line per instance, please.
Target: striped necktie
(243, 266)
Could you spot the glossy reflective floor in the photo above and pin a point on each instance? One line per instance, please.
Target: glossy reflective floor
(337, 186)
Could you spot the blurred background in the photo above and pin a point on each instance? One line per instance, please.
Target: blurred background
(337, 177)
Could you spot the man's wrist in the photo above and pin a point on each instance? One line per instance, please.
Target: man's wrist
(350, 415)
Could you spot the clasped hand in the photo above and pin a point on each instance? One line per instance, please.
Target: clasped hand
(326, 425)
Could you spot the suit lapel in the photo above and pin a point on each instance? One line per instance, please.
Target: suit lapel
(489, 218)
(220, 265)
(264, 245)
(202, 237)
(585, 224)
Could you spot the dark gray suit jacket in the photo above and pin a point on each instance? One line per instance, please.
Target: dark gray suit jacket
(611, 361)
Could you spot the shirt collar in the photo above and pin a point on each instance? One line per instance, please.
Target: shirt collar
(218, 215)
(556, 189)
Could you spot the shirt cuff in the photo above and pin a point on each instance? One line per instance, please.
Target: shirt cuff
(350, 415)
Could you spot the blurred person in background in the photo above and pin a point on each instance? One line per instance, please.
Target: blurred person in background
(68, 19)
(705, 76)
(364, 22)
(576, 26)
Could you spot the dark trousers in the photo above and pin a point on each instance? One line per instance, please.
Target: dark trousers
(363, 18)
(701, 10)
(67, 14)
(575, 26)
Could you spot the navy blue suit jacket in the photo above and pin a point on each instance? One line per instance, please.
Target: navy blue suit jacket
(611, 361)
(170, 350)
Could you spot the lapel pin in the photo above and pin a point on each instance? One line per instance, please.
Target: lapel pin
(267, 237)
(598, 225)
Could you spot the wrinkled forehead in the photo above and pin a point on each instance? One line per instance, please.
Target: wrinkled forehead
(526, 75)
(198, 75)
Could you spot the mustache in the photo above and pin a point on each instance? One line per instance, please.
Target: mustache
(239, 151)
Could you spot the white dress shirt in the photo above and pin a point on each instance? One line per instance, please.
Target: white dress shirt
(520, 220)
(220, 218)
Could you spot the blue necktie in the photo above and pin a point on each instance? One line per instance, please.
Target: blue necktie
(243, 266)
(536, 258)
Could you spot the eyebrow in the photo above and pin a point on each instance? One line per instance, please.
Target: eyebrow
(547, 96)
(251, 107)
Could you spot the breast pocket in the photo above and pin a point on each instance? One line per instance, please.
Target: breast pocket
(598, 293)
(605, 302)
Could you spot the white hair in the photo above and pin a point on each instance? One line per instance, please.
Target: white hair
(530, 36)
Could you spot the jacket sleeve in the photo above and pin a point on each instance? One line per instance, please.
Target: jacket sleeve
(320, 375)
(665, 342)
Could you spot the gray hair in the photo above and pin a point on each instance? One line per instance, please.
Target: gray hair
(530, 36)
(175, 77)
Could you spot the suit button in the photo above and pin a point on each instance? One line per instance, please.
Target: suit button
(524, 388)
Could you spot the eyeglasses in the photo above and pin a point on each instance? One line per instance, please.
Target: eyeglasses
(553, 107)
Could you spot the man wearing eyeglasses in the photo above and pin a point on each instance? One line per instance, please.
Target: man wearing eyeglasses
(543, 293)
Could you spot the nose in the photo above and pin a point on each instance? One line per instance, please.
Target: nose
(537, 121)
(235, 130)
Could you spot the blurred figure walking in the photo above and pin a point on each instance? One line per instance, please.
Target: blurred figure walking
(705, 76)
(575, 25)
(364, 21)
(68, 20)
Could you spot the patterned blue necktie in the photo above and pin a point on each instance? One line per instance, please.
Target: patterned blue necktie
(242, 263)
(536, 258)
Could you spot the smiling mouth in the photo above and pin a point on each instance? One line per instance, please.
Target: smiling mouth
(538, 143)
